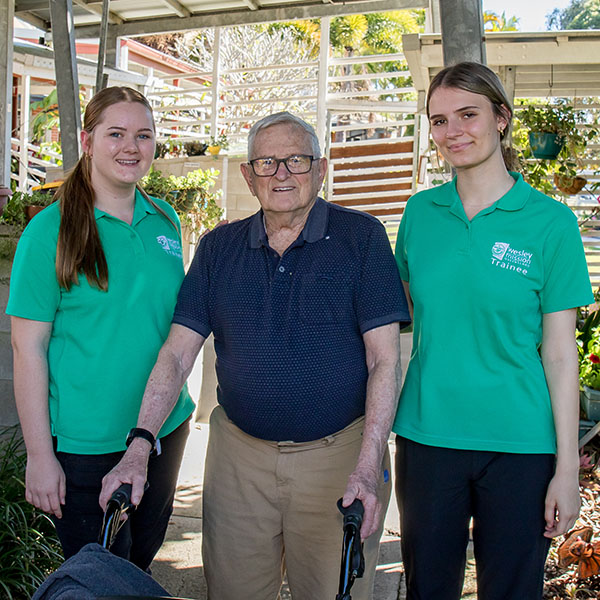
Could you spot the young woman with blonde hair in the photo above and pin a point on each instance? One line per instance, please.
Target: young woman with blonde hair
(93, 287)
(488, 414)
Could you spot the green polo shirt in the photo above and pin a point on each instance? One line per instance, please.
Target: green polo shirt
(103, 344)
(475, 379)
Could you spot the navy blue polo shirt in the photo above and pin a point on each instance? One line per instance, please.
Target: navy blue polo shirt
(288, 330)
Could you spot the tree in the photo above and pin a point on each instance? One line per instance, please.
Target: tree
(495, 22)
(580, 14)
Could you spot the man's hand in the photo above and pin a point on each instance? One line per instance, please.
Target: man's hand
(362, 484)
(132, 468)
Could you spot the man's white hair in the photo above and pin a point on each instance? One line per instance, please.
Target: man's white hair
(284, 117)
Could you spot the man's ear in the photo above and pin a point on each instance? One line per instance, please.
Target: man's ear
(246, 170)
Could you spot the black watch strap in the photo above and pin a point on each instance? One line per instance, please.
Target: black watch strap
(142, 433)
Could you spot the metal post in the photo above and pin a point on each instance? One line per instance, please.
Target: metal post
(462, 31)
(323, 76)
(67, 82)
(216, 77)
(7, 13)
(100, 80)
(24, 132)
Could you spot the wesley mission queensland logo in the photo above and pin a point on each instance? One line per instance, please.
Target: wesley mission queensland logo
(505, 257)
(172, 247)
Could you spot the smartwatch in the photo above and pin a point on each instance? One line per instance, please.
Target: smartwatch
(147, 435)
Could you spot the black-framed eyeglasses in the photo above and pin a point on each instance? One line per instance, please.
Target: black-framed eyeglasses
(296, 164)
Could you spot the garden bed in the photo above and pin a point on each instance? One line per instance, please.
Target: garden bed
(560, 583)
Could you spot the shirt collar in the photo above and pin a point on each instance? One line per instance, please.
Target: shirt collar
(514, 199)
(141, 208)
(314, 228)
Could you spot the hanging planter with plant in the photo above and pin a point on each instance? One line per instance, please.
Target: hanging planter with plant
(553, 165)
(545, 145)
(551, 128)
(569, 184)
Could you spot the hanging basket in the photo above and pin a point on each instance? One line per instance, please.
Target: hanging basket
(545, 145)
(569, 185)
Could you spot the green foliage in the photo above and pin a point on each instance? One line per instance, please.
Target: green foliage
(348, 32)
(580, 14)
(588, 347)
(190, 195)
(29, 547)
(14, 211)
(495, 22)
(373, 33)
(219, 140)
(47, 117)
(573, 126)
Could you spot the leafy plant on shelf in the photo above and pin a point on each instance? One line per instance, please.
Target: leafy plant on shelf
(219, 140)
(191, 196)
(14, 211)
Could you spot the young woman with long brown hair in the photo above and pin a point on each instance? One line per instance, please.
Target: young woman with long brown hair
(93, 287)
(487, 418)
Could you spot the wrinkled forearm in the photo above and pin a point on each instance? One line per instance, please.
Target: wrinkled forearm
(383, 390)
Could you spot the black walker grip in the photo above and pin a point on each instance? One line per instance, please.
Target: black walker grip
(121, 496)
(353, 514)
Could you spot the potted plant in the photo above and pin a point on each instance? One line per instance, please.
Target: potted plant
(195, 148)
(588, 347)
(571, 128)
(552, 127)
(218, 143)
(23, 206)
(190, 195)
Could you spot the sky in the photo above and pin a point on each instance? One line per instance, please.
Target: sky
(532, 13)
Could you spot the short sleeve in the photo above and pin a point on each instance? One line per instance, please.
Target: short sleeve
(192, 308)
(34, 290)
(401, 258)
(566, 276)
(381, 298)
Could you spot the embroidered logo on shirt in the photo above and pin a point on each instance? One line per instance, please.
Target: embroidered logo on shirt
(505, 257)
(172, 247)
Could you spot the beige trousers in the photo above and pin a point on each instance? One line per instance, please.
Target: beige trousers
(270, 507)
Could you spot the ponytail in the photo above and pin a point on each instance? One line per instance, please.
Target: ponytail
(79, 248)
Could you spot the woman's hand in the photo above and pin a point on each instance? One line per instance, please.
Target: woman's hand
(45, 484)
(562, 503)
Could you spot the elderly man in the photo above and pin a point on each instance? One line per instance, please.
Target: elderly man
(304, 301)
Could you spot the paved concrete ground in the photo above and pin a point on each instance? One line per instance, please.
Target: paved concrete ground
(178, 566)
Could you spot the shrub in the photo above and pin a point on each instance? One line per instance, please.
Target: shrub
(29, 547)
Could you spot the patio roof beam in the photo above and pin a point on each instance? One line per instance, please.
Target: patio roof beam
(252, 4)
(181, 10)
(248, 17)
(33, 20)
(67, 81)
(7, 11)
(96, 8)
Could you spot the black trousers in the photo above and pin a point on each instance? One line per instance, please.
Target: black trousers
(440, 489)
(144, 531)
